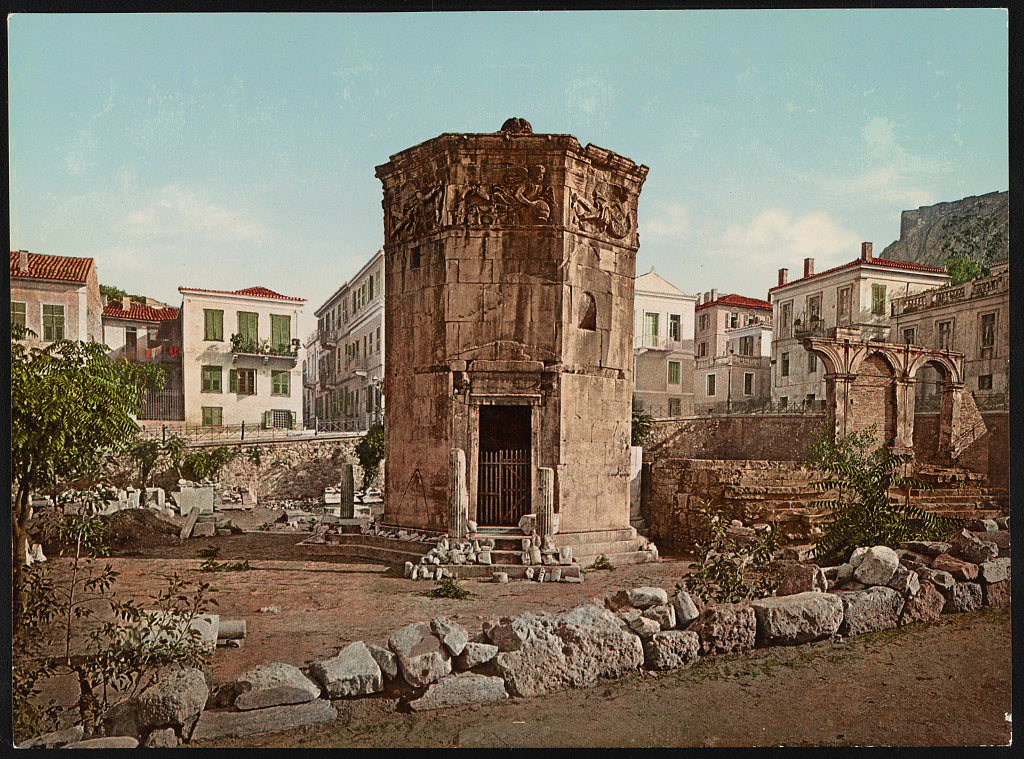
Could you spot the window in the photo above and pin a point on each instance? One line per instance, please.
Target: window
(369, 288)
(651, 329)
(414, 258)
(131, 339)
(783, 402)
(53, 323)
(748, 383)
(281, 383)
(878, 300)
(784, 365)
(675, 327)
(17, 314)
(702, 349)
(843, 301)
(247, 325)
(711, 385)
(988, 335)
(675, 407)
(813, 308)
(213, 324)
(212, 416)
(909, 335)
(673, 372)
(809, 399)
(812, 362)
(211, 379)
(280, 332)
(747, 345)
(985, 382)
(369, 399)
(786, 319)
(588, 312)
(734, 319)
(702, 321)
(946, 336)
(242, 381)
(378, 339)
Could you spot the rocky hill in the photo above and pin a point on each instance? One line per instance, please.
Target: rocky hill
(922, 234)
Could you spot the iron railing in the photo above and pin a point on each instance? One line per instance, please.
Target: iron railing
(504, 487)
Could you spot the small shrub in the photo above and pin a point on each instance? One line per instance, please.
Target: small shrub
(725, 570)
(370, 451)
(601, 562)
(209, 552)
(204, 465)
(447, 587)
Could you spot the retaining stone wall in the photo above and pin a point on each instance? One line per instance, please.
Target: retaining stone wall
(775, 437)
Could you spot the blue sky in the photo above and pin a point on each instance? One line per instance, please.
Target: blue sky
(232, 150)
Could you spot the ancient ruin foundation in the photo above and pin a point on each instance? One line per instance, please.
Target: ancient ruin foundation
(509, 260)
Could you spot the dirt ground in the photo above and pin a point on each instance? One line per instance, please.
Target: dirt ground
(941, 684)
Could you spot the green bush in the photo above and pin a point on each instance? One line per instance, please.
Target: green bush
(863, 512)
(447, 587)
(370, 451)
(727, 571)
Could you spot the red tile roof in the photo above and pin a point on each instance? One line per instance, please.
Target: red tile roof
(740, 301)
(253, 292)
(139, 312)
(866, 262)
(62, 268)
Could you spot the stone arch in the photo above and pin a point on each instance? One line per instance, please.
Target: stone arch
(882, 353)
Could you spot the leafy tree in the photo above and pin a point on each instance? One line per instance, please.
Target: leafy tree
(72, 408)
(970, 243)
(203, 465)
(112, 293)
(863, 513)
(640, 426)
(370, 452)
(145, 454)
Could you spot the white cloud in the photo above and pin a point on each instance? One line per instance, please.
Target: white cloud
(669, 221)
(754, 249)
(177, 213)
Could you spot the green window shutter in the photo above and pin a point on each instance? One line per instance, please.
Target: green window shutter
(268, 419)
(248, 325)
(213, 324)
(292, 420)
(280, 331)
(233, 381)
(211, 379)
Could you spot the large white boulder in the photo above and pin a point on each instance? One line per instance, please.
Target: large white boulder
(353, 672)
(459, 690)
(797, 618)
(274, 684)
(877, 566)
(422, 658)
(671, 649)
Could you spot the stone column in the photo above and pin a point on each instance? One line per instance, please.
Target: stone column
(950, 407)
(903, 439)
(346, 493)
(458, 494)
(546, 501)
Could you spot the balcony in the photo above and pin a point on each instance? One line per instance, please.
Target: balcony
(737, 360)
(944, 296)
(808, 327)
(261, 350)
(653, 343)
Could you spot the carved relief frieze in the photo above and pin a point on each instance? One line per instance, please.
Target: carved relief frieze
(603, 211)
(415, 211)
(520, 196)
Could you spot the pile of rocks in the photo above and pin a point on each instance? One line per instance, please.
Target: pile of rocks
(449, 551)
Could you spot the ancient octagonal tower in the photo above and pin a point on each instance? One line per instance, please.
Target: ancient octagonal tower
(509, 260)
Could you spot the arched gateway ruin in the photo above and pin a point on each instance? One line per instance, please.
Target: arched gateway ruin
(509, 260)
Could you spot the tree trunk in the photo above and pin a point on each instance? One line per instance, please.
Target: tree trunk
(19, 533)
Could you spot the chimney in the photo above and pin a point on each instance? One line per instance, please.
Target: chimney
(783, 276)
(126, 303)
(865, 251)
(23, 261)
(808, 267)
(714, 294)
(707, 297)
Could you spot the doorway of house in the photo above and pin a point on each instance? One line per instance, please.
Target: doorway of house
(503, 481)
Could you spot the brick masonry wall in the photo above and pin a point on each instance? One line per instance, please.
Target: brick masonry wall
(873, 400)
(774, 492)
(778, 437)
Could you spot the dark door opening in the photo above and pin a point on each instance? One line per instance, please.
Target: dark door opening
(503, 482)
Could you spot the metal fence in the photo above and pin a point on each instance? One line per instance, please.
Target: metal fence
(236, 433)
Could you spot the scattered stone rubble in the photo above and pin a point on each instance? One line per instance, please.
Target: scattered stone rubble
(440, 664)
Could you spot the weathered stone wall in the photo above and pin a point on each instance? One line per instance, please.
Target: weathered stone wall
(777, 493)
(287, 470)
(921, 233)
(873, 400)
(776, 437)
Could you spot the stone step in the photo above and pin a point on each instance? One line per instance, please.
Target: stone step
(616, 559)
